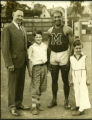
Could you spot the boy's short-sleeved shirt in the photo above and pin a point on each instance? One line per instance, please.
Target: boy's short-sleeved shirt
(37, 54)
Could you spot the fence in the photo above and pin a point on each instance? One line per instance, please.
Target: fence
(31, 25)
(37, 24)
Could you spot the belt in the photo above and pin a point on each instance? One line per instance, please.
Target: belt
(79, 69)
(40, 64)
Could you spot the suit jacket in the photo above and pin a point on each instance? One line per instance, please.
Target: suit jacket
(14, 46)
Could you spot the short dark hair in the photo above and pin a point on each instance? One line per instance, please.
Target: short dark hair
(37, 32)
(57, 11)
(77, 42)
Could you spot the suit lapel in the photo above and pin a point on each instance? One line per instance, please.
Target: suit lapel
(22, 31)
(15, 27)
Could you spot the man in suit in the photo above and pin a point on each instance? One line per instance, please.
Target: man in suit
(14, 50)
(60, 48)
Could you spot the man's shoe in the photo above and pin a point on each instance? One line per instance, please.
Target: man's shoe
(35, 111)
(52, 104)
(77, 113)
(39, 107)
(14, 112)
(67, 105)
(74, 108)
(21, 107)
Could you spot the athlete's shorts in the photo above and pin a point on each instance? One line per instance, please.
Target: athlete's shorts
(59, 58)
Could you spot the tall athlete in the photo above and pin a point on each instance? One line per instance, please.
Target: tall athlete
(60, 47)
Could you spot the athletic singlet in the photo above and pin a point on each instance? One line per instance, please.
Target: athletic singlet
(58, 41)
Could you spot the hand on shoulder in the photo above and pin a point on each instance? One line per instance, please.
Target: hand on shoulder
(11, 68)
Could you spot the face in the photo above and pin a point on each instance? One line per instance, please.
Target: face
(78, 49)
(38, 38)
(57, 18)
(18, 16)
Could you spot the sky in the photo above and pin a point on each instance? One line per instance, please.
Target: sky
(49, 4)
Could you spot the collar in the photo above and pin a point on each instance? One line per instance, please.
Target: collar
(38, 44)
(61, 26)
(79, 57)
(15, 24)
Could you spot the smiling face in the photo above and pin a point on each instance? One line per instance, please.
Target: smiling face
(18, 16)
(57, 18)
(77, 49)
(38, 38)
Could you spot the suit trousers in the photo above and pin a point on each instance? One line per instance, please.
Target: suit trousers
(16, 80)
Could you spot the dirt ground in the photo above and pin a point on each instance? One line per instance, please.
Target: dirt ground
(57, 112)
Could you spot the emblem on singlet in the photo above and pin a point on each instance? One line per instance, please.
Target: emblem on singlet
(56, 39)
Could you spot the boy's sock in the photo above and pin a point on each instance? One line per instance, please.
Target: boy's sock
(39, 107)
(34, 109)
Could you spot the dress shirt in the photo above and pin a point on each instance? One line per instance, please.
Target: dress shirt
(17, 25)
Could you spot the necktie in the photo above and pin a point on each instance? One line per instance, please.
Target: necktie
(19, 25)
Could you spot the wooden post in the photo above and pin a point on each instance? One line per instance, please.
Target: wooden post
(66, 16)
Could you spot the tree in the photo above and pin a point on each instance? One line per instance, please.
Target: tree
(1, 6)
(38, 6)
(37, 9)
(75, 11)
(28, 13)
(10, 6)
(32, 13)
(77, 8)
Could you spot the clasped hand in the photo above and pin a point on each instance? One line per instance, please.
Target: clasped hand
(11, 68)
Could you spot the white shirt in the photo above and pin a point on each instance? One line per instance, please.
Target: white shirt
(16, 24)
(37, 54)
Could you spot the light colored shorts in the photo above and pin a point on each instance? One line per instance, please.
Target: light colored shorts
(59, 58)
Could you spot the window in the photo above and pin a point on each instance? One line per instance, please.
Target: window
(87, 27)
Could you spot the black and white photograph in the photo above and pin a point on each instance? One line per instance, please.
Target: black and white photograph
(46, 59)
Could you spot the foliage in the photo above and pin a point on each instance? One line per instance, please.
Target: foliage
(1, 6)
(32, 13)
(75, 11)
(77, 8)
(38, 6)
(36, 11)
(10, 6)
